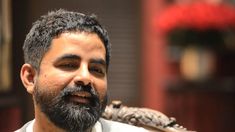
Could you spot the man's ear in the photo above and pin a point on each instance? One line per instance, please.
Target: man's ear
(28, 76)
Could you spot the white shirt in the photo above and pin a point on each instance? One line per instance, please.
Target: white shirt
(102, 125)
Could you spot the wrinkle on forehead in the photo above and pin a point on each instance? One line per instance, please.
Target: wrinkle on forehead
(76, 37)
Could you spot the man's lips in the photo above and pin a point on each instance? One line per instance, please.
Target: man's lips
(80, 97)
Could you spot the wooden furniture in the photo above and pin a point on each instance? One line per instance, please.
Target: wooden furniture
(150, 119)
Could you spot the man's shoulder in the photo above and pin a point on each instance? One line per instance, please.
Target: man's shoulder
(113, 126)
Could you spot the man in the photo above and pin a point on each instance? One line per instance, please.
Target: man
(66, 62)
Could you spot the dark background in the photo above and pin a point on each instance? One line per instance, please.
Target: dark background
(140, 72)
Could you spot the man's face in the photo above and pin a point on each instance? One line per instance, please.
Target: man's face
(71, 86)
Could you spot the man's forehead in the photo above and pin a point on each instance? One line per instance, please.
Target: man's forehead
(77, 37)
(77, 43)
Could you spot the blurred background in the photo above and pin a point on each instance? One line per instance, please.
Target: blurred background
(175, 56)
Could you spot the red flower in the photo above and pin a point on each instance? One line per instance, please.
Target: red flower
(199, 16)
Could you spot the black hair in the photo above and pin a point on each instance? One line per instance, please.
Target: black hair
(49, 26)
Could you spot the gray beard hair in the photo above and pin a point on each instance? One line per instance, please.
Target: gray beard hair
(68, 115)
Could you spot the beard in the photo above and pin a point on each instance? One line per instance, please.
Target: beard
(68, 115)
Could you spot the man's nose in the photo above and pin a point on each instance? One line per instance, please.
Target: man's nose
(83, 76)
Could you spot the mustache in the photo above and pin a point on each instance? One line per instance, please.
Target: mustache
(81, 88)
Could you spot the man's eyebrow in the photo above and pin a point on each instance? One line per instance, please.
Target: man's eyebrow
(68, 56)
(98, 61)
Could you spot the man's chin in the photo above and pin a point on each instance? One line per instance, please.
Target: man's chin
(75, 117)
(70, 114)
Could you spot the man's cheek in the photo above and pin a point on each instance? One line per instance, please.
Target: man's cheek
(103, 96)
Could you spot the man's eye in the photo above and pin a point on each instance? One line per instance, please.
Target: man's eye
(99, 71)
(68, 66)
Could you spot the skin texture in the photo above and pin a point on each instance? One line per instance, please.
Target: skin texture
(76, 58)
